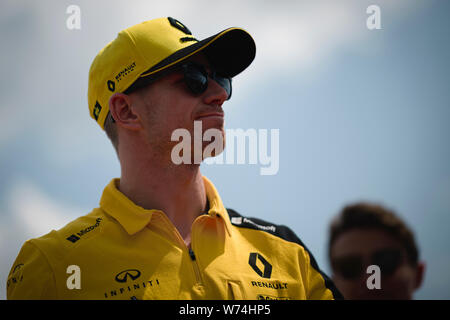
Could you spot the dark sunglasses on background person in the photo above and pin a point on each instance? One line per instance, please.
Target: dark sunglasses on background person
(195, 75)
(353, 266)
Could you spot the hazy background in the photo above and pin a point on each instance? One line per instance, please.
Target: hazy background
(363, 115)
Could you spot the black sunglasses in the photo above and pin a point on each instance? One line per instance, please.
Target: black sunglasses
(196, 78)
(352, 266)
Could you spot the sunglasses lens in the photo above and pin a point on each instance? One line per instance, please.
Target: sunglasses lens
(348, 267)
(388, 260)
(196, 79)
(224, 83)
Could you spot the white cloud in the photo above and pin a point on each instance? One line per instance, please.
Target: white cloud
(27, 212)
(35, 211)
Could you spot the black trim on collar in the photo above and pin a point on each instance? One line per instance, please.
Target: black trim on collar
(207, 207)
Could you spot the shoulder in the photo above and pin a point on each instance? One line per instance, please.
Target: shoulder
(82, 228)
(321, 282)
(43, 259)
(280, 231)
(56, 245)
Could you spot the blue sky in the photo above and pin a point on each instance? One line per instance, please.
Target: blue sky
(362, 115)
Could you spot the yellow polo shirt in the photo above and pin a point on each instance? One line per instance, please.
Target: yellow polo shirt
(122, 251)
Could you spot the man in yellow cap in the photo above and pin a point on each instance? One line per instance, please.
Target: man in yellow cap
(161, 230)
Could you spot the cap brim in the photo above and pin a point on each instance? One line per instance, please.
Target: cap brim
(230, 52)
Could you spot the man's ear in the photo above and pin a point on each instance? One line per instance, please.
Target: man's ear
(122, 112)
(420, 274)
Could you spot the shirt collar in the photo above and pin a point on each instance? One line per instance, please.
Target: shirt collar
(134, 218)
(131, 216)
(216, 207)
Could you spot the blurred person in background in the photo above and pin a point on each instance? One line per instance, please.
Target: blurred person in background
(365, 234)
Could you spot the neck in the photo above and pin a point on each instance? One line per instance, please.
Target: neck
(177, 190)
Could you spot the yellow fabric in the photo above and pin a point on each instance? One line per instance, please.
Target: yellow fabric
(123, 60)
(126, 252)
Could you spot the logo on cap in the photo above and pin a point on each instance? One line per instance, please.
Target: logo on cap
(124, 72)
(111, 85)
(97, 110)
(177, 24)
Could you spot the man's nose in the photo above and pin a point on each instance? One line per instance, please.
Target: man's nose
(215, 94)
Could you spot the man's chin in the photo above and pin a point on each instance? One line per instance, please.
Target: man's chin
(213, 147)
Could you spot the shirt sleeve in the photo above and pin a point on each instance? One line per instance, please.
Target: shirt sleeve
(320, 287)
(31, 276)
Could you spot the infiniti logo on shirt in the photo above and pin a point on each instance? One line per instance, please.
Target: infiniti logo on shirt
(123, 276)
(130, 285)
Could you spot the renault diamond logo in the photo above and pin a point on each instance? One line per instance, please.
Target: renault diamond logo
(130, 273)
(111, 85)
(97, 110)
(253, 261)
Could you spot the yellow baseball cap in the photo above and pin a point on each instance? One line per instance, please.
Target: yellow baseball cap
(147, 48)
